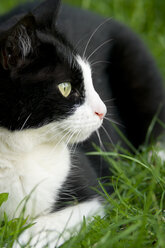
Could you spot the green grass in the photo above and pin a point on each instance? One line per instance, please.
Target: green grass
(135, 212)
(6, 5)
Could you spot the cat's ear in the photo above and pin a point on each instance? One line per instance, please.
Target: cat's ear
(17, 42)
(46, 13)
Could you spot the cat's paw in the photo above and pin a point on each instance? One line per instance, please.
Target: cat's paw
(23, 239)
(161, 155)
(38, 239)
(158, 152)
(161, 150)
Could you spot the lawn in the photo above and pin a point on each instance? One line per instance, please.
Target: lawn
(135, 212)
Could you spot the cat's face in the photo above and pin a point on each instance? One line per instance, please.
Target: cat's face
(45, 83)
(87, 117)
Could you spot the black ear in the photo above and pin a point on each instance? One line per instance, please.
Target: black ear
(17, 42)
(46, 13)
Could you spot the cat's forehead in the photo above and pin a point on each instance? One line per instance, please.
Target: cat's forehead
(53, 57)
(59, 47)
(53, 60)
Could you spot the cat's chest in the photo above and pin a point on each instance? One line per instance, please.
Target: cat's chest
(39, 174)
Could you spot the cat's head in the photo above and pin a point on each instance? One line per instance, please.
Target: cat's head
(44, 83)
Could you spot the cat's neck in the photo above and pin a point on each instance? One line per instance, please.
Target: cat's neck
(28, 163)
(31, 141)
(27, 140)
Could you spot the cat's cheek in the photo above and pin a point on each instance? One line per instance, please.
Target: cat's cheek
(81, 124)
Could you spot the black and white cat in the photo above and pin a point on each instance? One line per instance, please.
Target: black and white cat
(48, 103)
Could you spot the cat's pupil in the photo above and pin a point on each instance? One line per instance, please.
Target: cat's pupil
(65, 86)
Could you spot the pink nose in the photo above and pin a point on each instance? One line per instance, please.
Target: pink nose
(101, 115)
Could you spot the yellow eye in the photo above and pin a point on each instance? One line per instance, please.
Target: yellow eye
(65, 88)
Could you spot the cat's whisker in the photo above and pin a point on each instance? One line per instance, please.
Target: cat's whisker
(60, 141)
(51, 130)
(71, 136)
(110, 106)
(102, 148)
(76, 144)
(107, 135)
(78, 123)
(62, 127)
(100, 46)
(113, 121)
(75, 147)
(25, 122)
(100, 62)
(80, 40)
(109, 100)
(59, 130)
(92, 35)
(110, 114)
(100, 141)
(56, 127)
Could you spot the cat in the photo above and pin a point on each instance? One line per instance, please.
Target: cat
(49, 103)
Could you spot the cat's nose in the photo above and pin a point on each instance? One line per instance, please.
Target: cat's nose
(98, 106)
(101, 115)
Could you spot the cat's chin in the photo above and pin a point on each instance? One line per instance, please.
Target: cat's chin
(78, 139)
(80, 135)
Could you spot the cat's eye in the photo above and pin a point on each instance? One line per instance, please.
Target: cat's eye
(65, 88)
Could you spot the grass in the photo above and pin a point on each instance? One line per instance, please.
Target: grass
(135, 212)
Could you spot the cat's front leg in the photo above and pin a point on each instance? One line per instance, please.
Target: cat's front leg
(37, 238)
(54, 229)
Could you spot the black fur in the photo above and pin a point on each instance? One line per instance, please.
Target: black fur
(80, 185)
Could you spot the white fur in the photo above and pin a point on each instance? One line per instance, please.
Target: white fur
(161, 155)
(37, 162)
(28, 165)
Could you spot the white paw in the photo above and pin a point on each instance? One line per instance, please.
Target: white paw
(161, 155)
(33, 239)
(23, 239)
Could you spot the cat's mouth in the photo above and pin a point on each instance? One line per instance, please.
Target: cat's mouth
(80, 131)
(80, 124)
